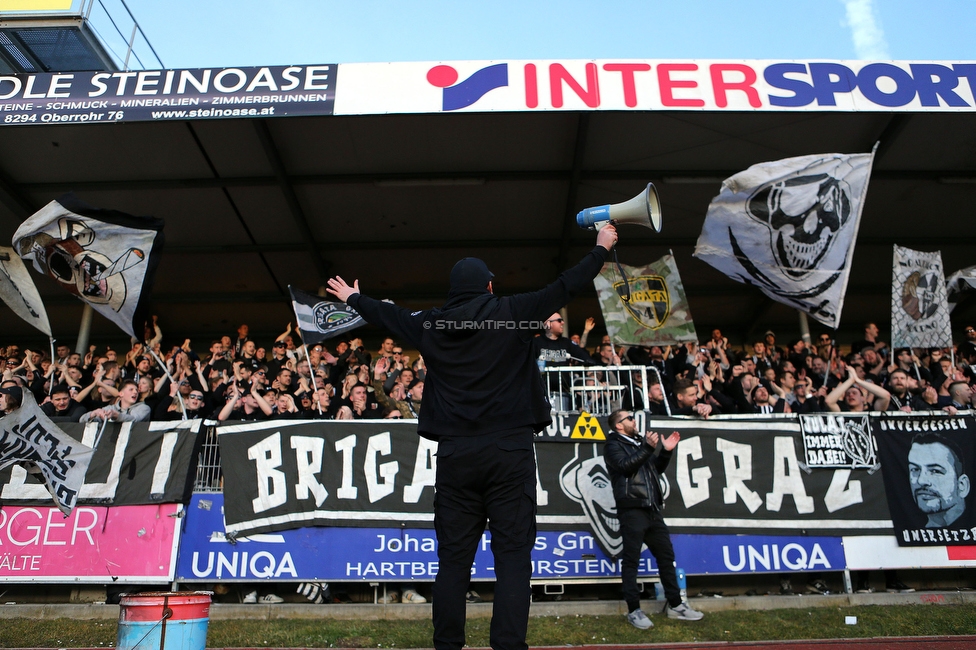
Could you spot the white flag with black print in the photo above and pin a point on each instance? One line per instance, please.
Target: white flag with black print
(105, 257)
(959, 284)
(919, 309)
(319, 319)
(29, 438)
(17, 290)
(789, 227)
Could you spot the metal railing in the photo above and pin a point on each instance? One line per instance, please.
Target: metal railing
(598, 390)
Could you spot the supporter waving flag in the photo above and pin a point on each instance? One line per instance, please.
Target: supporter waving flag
(17, 290)
(320, 319)
(105, 257)
(789, 227)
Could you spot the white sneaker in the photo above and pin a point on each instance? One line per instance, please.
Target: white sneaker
(412, 597)
(271, 599)
(250, 598)
(639, 619)
(390, 597)
(684, 612)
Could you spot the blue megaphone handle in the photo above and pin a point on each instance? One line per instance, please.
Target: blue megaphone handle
(588, 218)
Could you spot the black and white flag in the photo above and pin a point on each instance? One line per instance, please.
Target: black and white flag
(17, 290)
(105, 257)
(30, 439)
(959, 284)
(789, 227)
(919, 311)
(320, 319)
(928, 466)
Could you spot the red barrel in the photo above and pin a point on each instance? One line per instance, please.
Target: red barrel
(164, 620)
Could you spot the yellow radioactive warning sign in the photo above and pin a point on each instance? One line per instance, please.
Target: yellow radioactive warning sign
(587, 428)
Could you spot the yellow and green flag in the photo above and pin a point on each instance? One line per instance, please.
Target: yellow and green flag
(645, 305)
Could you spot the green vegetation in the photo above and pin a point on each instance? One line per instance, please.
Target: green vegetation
(784, 624)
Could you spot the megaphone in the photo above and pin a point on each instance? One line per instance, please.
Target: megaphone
(643, 210)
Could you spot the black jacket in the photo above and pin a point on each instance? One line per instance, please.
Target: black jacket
(634, 471)
(481, 374)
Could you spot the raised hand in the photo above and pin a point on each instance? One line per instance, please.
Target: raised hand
(338, 288)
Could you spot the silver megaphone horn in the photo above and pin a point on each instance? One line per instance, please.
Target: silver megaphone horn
(643, 210)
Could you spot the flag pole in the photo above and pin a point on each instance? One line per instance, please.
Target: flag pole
(310, 371)
(50, 388)
(168, 376)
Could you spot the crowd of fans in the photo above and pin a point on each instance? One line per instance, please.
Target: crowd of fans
(232, 380)
(236, 380)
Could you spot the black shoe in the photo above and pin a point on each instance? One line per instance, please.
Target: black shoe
(817, 587)
(898, 587)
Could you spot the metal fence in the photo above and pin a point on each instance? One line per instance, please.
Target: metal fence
(210, 478)
(597, 390)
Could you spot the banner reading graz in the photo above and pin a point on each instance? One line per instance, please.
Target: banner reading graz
(729, 477)
(203, 93)
(141, 463)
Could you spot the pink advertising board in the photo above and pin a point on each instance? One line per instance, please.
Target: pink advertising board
(97, 544)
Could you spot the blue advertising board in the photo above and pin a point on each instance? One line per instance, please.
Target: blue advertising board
(402, 554)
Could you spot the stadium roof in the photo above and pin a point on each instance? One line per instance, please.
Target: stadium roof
(252, 205)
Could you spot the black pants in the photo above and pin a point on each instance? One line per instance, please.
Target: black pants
(646, 526)
(484, 479)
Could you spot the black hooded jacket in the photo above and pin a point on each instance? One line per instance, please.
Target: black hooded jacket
(635, 471)
(481, 374)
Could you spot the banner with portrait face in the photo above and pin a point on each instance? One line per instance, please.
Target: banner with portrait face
(928, 464)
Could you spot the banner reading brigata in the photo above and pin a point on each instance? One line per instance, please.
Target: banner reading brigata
(744, 476)
(147, 95)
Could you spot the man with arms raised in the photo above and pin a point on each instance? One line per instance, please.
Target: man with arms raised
(483, 401)
(127, 408)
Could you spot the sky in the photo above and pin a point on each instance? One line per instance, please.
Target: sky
(211, 33)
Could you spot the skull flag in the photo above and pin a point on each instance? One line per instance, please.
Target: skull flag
(789, 227)
(105, 257)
